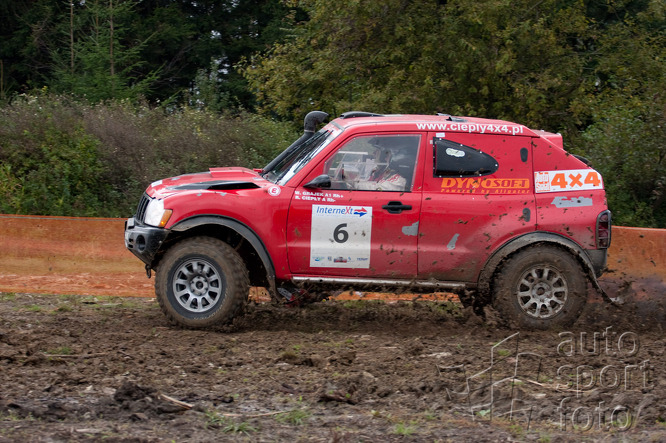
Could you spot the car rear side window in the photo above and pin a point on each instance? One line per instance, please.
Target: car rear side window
(457, 160)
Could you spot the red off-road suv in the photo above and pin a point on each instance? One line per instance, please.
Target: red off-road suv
(492, 210)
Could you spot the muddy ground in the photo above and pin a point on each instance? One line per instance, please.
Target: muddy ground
(82, 368)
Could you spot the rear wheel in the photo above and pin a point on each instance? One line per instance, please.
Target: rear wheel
(201, 282)
(540, 288)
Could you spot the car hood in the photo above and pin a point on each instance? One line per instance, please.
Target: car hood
(216, 179)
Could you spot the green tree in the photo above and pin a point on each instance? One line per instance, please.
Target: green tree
(195, 41)
(495, 58)
(122, 48)
(625, 107)
(591, 70)
(98, 64)
(24, 36)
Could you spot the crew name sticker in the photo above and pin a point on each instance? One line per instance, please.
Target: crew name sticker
(569, 180)
(340, 236)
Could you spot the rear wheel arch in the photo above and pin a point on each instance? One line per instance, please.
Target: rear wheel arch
(534, 239)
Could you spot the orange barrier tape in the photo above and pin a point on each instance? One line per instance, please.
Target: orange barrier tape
(87, 256)
(68, 255)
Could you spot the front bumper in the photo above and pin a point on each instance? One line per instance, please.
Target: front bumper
(144, 241)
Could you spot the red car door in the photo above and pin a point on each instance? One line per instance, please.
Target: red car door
(477, 195)
(366, 223)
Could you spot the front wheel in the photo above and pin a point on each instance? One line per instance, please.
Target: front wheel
(540, 288)
(201, 282)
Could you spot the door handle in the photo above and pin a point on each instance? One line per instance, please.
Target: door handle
(396, 207)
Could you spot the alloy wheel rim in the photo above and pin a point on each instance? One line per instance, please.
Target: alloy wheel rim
(542, 292)
(197, 285)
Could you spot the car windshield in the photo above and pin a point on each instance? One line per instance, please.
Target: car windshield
(301, 155)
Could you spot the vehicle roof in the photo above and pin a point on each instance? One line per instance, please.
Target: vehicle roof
(438, 123)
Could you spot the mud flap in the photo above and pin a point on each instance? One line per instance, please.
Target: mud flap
(617, 301)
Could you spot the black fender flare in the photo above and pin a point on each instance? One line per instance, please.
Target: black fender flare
(530, 239)
(243, 230)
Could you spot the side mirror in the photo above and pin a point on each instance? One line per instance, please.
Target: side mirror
(319, 182)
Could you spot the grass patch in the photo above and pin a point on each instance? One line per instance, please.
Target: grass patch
(297, 417)
(363, 304)
(62, 350)
(64, 308)
(12, 415)
(227, 424)
(7, 296)
(404, 429)
(69, 298)
(429, 415)
(446, 307)
(517, 431)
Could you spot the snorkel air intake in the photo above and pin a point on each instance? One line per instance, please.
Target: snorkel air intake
(310, 123)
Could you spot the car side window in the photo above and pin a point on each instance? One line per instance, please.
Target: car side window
(457, 160)
(375, 163)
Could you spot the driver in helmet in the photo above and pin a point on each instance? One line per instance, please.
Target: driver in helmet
(383, 177)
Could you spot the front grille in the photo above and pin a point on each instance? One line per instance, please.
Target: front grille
(141, 209)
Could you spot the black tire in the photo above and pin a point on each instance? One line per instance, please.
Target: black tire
(542, 287)
(201, 282)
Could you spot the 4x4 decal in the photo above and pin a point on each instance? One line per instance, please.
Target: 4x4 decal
(567, 180)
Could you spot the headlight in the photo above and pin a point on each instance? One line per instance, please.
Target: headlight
(156, 215)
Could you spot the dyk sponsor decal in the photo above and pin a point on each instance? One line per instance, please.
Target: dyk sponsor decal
(486, 185)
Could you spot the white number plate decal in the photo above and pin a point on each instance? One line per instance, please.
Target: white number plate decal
(340, 236)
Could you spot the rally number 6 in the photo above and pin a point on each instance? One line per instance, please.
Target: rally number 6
(339, 234)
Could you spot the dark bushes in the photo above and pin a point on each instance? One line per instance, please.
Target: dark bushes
(61, 157)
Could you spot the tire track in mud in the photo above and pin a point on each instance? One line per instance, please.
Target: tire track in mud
(75, 368)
